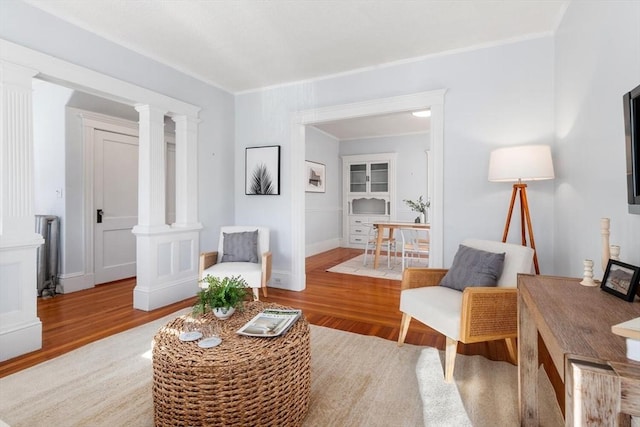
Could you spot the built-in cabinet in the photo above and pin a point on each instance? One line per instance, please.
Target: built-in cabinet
(368, 194)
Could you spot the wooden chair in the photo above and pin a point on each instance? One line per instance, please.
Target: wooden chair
(476, 314)
(415, 245)
(256, 274)
(370, 246)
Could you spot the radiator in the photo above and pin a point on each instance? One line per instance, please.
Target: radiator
(47, 278)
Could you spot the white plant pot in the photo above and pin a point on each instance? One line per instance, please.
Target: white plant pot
(223, 313)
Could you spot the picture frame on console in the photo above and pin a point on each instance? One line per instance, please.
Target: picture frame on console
(315, 177)
(621, 279)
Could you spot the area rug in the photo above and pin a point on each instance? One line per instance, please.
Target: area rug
(354, 266)
(487, 390)
(357, 380)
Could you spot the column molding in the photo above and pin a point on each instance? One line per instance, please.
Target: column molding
(20, 327)
(186, 172)
(151, 171)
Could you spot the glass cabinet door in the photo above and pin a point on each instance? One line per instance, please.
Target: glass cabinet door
(379, 178)
(358, 178)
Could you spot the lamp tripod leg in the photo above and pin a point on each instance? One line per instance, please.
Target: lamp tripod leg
(526, 215)
(525, 220)
(509, 214)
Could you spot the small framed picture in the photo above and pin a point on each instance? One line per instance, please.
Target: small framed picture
(621, 280)
(315, 177)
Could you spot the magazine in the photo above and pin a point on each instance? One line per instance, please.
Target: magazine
(270, 323)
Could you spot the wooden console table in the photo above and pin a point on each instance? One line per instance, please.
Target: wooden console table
(602, 386)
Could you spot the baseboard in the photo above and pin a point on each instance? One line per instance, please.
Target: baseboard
(319, 247)
(159, 296)
(74, 282)
(20, 339)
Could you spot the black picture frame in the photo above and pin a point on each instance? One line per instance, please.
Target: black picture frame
(621, 279)
(315, 177)
(262, 171)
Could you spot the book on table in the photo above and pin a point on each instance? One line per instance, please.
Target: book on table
(270, 322)
(631, 331)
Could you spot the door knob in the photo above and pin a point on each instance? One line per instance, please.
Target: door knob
(99, 216)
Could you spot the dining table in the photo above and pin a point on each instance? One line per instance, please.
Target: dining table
(391, 226)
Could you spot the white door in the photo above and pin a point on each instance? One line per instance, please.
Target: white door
(116, 204)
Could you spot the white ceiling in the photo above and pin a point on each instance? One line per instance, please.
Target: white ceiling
(376, 126)
(242, 45)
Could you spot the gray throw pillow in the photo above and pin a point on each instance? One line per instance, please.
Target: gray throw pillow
(240, 247)
(473, 267)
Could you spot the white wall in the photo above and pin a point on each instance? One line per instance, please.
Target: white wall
(411, 165)
(324, 210)
(496, 96)
(597, 57)
(35, 29)
(49, 147)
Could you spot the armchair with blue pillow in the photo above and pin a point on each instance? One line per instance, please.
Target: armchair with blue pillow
(242, 251)
(474, 301)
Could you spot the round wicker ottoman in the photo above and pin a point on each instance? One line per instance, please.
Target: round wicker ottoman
(243, 381)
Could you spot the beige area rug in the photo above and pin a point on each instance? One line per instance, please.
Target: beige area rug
(354, 266)
(356, 381)
(487, 390)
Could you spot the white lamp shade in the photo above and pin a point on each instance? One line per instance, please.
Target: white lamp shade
(526, 163)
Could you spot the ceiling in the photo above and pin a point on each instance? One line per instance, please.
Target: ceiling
(375, 126)
(242, 45)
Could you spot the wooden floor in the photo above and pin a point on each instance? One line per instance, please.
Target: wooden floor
(363, 305)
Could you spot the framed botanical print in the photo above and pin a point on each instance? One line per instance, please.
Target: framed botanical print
(262, 170)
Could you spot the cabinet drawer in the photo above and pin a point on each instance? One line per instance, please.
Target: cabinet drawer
(357, 239)
(359, 230)
(358, 221)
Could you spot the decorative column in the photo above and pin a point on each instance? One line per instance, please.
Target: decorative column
(151, 170)
(20, 327)
(186, 171)
(167, 257)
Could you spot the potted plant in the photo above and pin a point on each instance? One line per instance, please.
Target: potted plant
(420, 206)
(222, 296)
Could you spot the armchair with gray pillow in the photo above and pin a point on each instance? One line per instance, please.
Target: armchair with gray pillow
(242, 251)
(474, 301)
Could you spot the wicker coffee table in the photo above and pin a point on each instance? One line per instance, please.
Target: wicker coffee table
(244, 381)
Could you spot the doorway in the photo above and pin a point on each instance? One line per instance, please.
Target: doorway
(433, 100)
(115, 171)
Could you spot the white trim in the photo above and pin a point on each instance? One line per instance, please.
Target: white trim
(325, 245)
(355, 138)
(57, 71)
(299, 120)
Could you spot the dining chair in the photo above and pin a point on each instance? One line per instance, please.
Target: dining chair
(415, 245)
(387, 244)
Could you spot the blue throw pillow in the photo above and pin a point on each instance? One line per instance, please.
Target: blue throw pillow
(473, 267)
(240, 247)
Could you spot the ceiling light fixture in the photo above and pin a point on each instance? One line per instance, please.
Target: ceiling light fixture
(423, 113)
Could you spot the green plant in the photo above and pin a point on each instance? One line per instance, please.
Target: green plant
(226, 292)
(419, 206)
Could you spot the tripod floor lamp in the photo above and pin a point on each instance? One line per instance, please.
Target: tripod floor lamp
(518, 164)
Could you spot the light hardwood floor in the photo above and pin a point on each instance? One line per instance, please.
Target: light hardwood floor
(357, 304)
